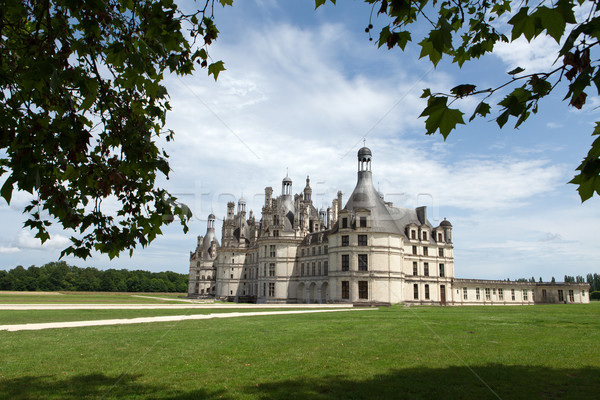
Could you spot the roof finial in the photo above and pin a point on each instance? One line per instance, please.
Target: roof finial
(364, 142)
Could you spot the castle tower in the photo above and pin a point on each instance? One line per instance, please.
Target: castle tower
(307, 190)
(286, 186)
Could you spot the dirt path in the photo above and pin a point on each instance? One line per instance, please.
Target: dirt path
(78, 324)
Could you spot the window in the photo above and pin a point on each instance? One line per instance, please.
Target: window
(525, 294)
(512, 294)
(231, 276)
(363, 290)
(415, 269)
(465, 295)
(345, 240)
(561, 296)
(325, 249)
(487, 293)
(314, 269)
(325, 267)
(363, 262)
(500, 294)
(494, 291)
(544, 294)
(427, 292)
(276, 233)
(442, 272)
(302, 269)
(271, 289)
(477, 294)
(272, 250)
(426, 269)
(302, 252)
(271, 269)
(441, 252)
(345, 262)
(413, 234)
(425, 251)
(345, 289)
(571, 296)
(319, 268)
(344, 222)
(414, 249)
(416, 291)
(362, 240)
(424, 235)
(440, 237)
(275, 219)
(363, 222)
(319, 252)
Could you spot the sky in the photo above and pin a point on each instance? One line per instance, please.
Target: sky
(304, 88)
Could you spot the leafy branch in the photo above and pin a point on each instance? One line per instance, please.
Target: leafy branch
(464, 30)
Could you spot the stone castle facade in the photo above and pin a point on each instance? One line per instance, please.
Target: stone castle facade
(366, 252)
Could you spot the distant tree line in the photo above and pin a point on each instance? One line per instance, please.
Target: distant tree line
(56, 276)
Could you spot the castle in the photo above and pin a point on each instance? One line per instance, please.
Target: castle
(367, 252)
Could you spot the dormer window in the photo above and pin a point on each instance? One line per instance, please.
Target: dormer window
(344, 222)
(424, 235)
(413, 234)
(440, 237)
(363, 222)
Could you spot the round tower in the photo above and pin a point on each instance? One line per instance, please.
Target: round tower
(364, 159)
(286, 186)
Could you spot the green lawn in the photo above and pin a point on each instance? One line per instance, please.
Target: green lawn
(530, 352)
(13, 317)
(82, 297)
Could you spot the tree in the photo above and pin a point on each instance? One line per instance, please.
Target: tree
(465, 30)
(82, 109)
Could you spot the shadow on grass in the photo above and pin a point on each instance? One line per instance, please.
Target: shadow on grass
(93, 386)
(497, 381)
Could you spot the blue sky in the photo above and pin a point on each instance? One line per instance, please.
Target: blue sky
(301, 91)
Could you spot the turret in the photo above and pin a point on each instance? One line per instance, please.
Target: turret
(447, 226)
(242, 207)
(286, 186)
(307, 190)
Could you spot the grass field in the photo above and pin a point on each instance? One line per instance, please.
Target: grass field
(529, 352)
(86, 297)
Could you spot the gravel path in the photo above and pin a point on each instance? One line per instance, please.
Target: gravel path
(77, 324)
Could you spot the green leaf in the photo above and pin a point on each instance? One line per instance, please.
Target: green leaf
(215, 68)
(384, 35)
(552, 20)
(440, 116)
(319, 3)
(7, 189)
(482, 109)
(523, 24)
(515, 71)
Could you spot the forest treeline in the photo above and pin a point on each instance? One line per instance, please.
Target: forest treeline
(56, 276)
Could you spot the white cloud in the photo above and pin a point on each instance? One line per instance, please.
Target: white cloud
(9, 250)
(535, 56)
(26, 240)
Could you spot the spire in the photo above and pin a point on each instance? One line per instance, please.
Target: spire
(307, 190)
